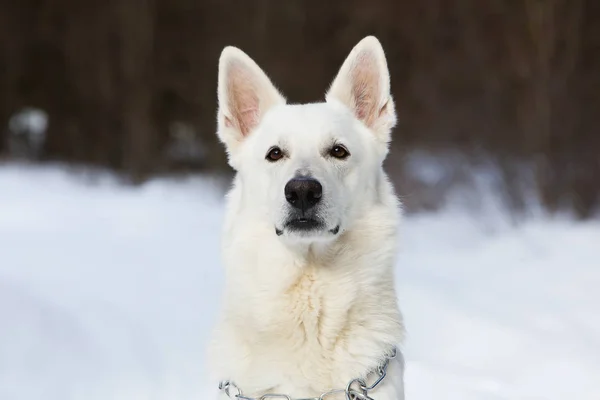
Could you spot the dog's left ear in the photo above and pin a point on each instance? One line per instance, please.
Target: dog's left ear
(245, 94)
(363, 85)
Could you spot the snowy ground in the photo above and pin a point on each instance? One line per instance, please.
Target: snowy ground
(109, 293)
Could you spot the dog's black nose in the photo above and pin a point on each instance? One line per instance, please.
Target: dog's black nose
(303, 193)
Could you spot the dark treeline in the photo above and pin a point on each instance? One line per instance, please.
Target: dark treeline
(129, 83)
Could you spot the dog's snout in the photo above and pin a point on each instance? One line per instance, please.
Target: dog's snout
(303, 193)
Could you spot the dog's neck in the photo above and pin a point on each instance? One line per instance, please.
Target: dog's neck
(327, 309)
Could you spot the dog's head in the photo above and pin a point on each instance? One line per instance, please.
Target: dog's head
(309, 169)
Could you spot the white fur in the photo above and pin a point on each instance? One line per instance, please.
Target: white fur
(306, 313)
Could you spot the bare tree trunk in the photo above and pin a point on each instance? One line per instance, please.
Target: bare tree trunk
(136, 39)
(10, 39)
(5, 93)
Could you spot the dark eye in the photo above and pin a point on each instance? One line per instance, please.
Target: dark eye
(274, 154)
(339, 151)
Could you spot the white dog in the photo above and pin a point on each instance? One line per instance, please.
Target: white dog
(310, 237)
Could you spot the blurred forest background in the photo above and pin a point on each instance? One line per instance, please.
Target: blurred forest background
(506, 86)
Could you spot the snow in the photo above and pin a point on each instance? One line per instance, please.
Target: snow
(109, 292)
(29, 119)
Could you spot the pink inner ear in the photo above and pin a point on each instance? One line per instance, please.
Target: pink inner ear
(365, 88)
(243, 99)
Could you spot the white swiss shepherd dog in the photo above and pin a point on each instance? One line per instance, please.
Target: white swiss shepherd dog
(310, 236)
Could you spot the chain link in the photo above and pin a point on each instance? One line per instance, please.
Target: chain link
(356, 389)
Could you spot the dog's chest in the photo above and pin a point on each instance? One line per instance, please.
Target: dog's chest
(302, 306)
(309, 314)
(300, 330)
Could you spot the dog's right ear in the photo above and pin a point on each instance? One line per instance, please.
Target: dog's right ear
(245, 94)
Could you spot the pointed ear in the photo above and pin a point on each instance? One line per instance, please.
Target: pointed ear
(363, 85)
(245, 94)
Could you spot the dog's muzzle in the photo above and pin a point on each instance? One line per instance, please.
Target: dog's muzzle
(304, 195)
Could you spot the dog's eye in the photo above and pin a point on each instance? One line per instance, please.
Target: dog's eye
(274, 154)
(339, 151)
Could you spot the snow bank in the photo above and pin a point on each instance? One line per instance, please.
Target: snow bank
(109, 293)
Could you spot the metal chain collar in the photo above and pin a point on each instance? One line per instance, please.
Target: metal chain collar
(356, 389)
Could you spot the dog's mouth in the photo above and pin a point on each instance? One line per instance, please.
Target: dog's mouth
(304, 226)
